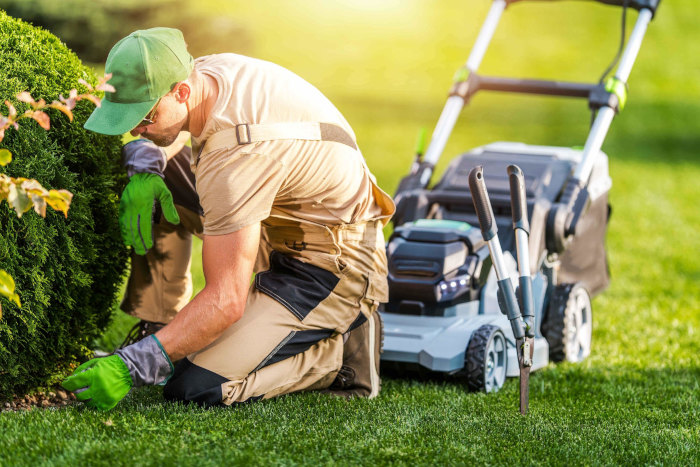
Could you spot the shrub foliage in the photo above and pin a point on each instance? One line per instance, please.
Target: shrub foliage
(92, 27)
(67, 270)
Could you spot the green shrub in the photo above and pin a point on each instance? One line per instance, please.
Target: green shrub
(67, 270)
(92, 27)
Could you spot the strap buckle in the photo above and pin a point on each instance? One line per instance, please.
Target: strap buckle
(243, 133)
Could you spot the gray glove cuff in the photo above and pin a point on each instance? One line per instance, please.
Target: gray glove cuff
(147, 362)
(143, 156)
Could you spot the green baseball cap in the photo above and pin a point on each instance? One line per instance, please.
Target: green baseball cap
(145, 66)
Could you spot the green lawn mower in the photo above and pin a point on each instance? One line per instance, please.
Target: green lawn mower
(492, 270)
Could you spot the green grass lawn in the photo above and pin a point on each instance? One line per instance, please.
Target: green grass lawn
(387, 65)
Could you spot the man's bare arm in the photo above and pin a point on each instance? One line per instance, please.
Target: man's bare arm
(228, 265)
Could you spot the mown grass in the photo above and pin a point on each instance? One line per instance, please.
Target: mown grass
(579, 416)
(636, 400)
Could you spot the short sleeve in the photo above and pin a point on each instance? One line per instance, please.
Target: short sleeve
(237, 189)
(143, 156)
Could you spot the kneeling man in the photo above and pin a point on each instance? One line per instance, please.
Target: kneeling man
(282, 191)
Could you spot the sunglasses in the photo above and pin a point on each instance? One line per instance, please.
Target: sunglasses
(149, 119)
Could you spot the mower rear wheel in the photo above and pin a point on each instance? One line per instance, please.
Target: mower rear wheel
(569, 323)
(486, 359)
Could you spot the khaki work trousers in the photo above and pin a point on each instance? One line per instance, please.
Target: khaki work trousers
(313, 284)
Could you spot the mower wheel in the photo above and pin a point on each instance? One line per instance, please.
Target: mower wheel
(486, 359)
(569, 323)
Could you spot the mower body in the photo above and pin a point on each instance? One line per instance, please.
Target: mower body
(444, 312)
(442, 286)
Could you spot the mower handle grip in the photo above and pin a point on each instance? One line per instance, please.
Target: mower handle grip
(482, 205)
(638, 5)
(518, 198)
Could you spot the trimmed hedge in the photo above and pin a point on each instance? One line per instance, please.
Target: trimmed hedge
(67, 270)
(92, 27)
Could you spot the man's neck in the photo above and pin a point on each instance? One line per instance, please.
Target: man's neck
(201, 103)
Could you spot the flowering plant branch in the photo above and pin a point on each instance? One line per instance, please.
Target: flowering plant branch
(24, 193)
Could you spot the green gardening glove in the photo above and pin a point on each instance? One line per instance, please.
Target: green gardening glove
(101, 382)
(136, 209)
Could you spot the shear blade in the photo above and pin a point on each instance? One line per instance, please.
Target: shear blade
(525, 362)
(524, 389)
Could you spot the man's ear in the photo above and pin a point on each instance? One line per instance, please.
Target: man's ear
(182, 91)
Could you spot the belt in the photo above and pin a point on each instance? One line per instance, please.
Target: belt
(322, 234)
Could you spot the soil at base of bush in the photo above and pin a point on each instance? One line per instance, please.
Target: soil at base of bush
(56, 397)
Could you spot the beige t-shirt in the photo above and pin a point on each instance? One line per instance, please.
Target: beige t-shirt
(321, 182)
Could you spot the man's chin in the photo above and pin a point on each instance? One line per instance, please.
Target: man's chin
(161, 141)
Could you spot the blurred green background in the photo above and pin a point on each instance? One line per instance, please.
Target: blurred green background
(387, 65)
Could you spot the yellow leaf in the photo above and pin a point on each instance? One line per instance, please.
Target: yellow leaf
(18, 199)
(103, 86)
(33, 187)
(85, 83)
(94, 99)
(59, 200)
(5, 157)
(7, 287)
(24, 96)
(106, 87)
(42, 119)
(39, 205)
(11, 109)
(63, 108)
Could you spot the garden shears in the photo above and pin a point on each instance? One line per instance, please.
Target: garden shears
(520, 313)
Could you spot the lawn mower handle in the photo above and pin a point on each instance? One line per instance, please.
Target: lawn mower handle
(455, 102)
(564, 215)
(636, 4)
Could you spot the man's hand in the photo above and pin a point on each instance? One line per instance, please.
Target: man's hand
(136, 208)
(101, 382)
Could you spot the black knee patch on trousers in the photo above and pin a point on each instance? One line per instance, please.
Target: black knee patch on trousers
(298, 286)
(192, 383)
(295, 343)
